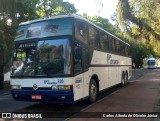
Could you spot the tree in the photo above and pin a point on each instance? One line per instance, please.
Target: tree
(105, 24)
(15, 11)
(47, 8)
(138, 53)
(26, 10)
(68, 8)
(5, 14)
(139, 19)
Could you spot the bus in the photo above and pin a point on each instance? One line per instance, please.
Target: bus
(65, 59)
(152, 64)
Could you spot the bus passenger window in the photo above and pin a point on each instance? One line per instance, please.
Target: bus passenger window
(86, 58)
(104, 41)
(111, 44)
(81, 32)
(77, 58)
(126, 51)
(93, 37)
(121, 48)
(117, 46)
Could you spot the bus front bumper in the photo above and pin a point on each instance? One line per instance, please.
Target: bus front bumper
(51, 96)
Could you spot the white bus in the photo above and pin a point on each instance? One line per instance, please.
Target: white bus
(152, 64)
(66, 58)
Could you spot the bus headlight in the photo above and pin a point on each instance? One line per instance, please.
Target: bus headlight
(64, 87)
(61, 87)
(54, 87)
(16, 87)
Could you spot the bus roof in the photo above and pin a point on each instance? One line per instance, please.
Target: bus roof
(45, 19)
(151, 59)
(70, 16)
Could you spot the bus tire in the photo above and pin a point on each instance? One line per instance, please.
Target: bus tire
(126, 78)
(123, 80)
(93, 91)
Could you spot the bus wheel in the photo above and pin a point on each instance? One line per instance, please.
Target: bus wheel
(126, 79)
(92, 91)
(123, 80)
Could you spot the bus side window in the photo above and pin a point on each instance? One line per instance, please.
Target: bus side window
(85, 58)
(77, 58)
(126, 50)
(104, 41)
(117, 46)
(81, 32)
(111, 44)
(93, 37)
(121, 48)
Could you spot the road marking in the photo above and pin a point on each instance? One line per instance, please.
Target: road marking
(5, 95)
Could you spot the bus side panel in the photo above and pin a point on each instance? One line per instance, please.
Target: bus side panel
(99, 68)
(81, 85)
(87, 77)
(107, 67)
(78, 86)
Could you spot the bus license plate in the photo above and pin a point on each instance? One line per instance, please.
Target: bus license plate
(37, 97)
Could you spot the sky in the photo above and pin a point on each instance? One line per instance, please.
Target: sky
(94, 7)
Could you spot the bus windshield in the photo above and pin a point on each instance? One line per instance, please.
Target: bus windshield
(48, 28)
(151, 62)
(44, 58)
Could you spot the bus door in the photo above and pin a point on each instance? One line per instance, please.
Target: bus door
(81, 67)
(86, 75)
(78, 71)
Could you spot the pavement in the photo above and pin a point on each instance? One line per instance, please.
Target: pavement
(137, 98)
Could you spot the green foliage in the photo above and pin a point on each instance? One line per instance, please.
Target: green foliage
(47, 8)
(16, 11)
(140, 18)
(6, 37)
(27, 10)
(105, 24)
(138, 53)
(68, 8)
